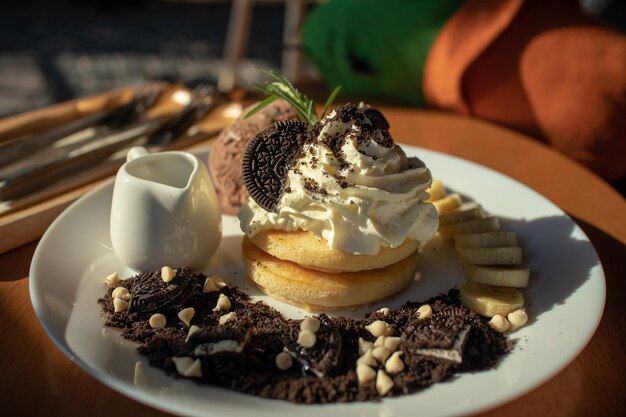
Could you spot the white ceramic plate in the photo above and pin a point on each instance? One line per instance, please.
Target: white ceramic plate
(565, 303)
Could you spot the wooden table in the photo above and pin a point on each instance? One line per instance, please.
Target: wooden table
(36, 379)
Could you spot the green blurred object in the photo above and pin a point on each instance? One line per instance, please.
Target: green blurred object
(375, 48)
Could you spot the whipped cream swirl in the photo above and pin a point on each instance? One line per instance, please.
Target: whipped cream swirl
(352, 186)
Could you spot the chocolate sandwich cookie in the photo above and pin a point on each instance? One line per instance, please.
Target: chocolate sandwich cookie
(377, 118)
(221, 340)
(241, 354)
(268, 158)
(151, 293)
(324, 355)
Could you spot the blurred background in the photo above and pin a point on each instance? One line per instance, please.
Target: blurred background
(56, 50)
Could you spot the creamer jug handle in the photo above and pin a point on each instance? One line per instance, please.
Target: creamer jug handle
(136, 152)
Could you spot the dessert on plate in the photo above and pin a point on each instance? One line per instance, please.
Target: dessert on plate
(227, 152)
(336, 212)
(195, 327)
(336, 215)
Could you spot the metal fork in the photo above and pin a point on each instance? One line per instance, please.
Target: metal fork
(144, 96)
(150, 132)
(203, 99)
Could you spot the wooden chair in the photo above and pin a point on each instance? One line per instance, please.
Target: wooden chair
(238, 34)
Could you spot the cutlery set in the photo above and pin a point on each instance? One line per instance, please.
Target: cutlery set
(32, 162)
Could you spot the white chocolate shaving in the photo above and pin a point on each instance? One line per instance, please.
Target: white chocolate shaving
(306, 338)
(121, 292)
(139, 378)
(424, 312)
(364, 373)
(310, 323)
(381, 354)
(364, 346)
(219, 281)
(191, 331)
(227, 317)
(195, 370)
(384, 384)
(167, 274)
(223, 303)
(157, 321)
(499, 323)
(367, 359)
(283, 361)
(384, 311)
(209, 286)
(185, 315)
(391, 343)
(394, 364)
(517, 318)
(182, 363)
(379, 328)
(119, 305)
(380, 341)
(112, 280)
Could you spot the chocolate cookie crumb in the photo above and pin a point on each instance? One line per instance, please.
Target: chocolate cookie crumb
(240, 354)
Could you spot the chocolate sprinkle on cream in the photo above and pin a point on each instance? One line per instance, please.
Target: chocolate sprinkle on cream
(240, 354)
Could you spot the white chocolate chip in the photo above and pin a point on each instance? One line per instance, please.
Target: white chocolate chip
(381, 354)
(380, 341)
(367, 359)
(364, 374)
(283, 361)
(223, 303)
(119, 305)
(167, 274)
(112, 280)
(364, 346)
(379, 328)
(227, 317)
(139, 378)
(195, 370)
(306, 338)
(384, 311)
(310, 323)
(209, 286)
(182, 363)
(384, 384)
(499, 323)
(517, 318)
(191, 331)
(188, 367)
(219, 281)
(391, 343)
(121, 292)
(185, 315)
(157, 321)
(424, 312)
(394, 364)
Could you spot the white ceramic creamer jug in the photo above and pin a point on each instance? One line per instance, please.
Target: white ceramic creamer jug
(164, 211)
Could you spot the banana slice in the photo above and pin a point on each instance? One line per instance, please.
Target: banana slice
(448, 203)
(500, 276)
(466, 211)
(487, 224)
(489, 301)
(491, 256)
(436, 191)
(485, 240)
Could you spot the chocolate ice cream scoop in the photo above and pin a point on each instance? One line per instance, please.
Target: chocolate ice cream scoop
(226, 154)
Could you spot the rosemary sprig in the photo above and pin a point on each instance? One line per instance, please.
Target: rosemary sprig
(282, 88)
